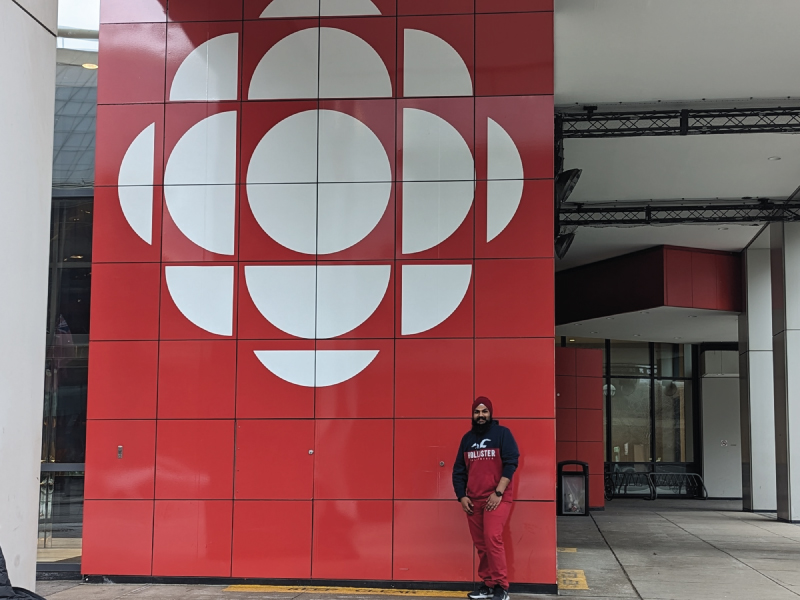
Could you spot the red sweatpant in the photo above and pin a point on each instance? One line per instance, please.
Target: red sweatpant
(486, 528)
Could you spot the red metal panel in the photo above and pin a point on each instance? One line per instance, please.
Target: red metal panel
(589, 362)
(566, 361)
(257, 526)
(351, 458)
(125, 301)
(514, 298)
(194, 460)
(566, 424)
(677, 277)
(499, 6)
(434, 378)
(590, 392)
(590, 425)
(517, 375)
(514, 54)
(192, 538)
(441, 7)
(117, 127)
(704, 280)
(105, 524)
(566, 390)
(526, 120)
(260, 394)
(592, 453)
(535, 478)
(370, 394)
(113, 239)
(425, 450)
(183, 38)
(122, 380)
(596, 491)
(566, 451)
(134, 63)
(196, 380)
(352, 539)
(125, 11)
(120, 460)
(274, 460)
(459, 324)
(729, 282)
(446, 555)
(530, 541)
(204, 10)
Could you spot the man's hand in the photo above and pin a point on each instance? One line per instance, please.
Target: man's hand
(493, 502)
(466, 504)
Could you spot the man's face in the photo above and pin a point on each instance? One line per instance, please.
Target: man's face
(481, 414)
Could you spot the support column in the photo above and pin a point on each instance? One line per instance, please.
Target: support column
(27, 67)
(756, 381)
(785, 267)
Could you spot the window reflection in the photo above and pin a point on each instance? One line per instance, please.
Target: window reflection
(673, 421)
(630, 420)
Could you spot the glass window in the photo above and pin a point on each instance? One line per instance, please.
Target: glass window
(64, 431)
(630, 420)
(630, 359)
(673, 421)
(71, 230)
(673, 360)
(60, 517)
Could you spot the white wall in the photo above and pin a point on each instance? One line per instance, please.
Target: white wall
(27, 69)
(722, 458)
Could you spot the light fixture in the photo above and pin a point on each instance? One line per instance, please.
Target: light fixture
(592, 332)
(678, 338)
(722, 228)
(90, 66)
(572, 340)
(644, 312)
(637, 335)
(692, 316)
(774, 158)
(577, 324)
(609, 318)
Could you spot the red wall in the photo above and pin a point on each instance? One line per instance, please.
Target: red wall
(231, 467)
(579, 414)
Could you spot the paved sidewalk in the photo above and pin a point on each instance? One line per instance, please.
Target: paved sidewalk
(662, 550)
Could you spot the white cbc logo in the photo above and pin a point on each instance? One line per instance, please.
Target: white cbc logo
(319, 182)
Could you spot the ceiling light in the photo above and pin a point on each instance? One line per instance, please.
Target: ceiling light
(644, 312)
(592, 332)
(722, 228)
(774, 158)
(609, 318)
(692, 316)
(90, 66)
(572, 340)
(577, 324)
(637, 335)
(678, 338)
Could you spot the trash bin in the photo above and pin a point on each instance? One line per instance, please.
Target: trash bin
(573, 489)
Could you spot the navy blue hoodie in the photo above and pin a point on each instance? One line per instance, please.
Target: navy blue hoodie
(482, 460)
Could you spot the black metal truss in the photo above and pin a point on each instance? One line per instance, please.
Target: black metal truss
(632, 214)
(591, 124)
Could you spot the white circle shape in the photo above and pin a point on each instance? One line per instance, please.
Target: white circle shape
(319, 182)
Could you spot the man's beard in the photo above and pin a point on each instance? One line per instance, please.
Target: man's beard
(479, 429)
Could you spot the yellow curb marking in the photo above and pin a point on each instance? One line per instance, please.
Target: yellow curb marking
(262, 589)
(567, 549)
(572, 580)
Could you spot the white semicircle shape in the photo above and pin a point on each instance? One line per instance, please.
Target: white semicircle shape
(348, 212)
(288, 152)
(210, 72)
(204, 295)
(135, 181)
(206, 154)
(278, 9)
(506, 180)
(287, 213)
(349, 151)
(350, 68)
(205, 214)
(348, 295)
(348, 8)
(434, 150)
(285, 296)
(432, 67)
(431, 293)
(289, 70)
(323, 368)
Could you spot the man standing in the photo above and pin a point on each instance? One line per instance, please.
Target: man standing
(484, 466)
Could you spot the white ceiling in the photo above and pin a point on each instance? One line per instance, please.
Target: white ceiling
(691, 167)
(663, 324)
(598, 243)
(675, 50)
